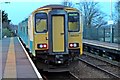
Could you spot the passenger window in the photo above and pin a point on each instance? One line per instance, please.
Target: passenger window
(73, 22)
(41, 22)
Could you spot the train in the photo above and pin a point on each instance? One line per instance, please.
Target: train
(53, 35)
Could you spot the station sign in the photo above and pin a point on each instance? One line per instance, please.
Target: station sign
(110, 22)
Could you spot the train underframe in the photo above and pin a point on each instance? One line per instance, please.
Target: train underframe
(57, 62)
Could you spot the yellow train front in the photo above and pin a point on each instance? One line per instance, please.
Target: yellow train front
(53, 35)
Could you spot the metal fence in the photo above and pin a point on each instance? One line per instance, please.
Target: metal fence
(102, 34)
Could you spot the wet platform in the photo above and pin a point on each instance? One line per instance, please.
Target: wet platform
(113, 46)
(15, 63)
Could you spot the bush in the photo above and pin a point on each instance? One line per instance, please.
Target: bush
(6, 32)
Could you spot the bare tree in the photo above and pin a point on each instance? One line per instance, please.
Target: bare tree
(93, 18)
(67, 3)
(117, 21)
(117, 7)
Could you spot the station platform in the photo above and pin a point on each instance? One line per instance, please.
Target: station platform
(112, 46)
(15, 62)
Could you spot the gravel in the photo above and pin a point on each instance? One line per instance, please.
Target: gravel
(83, 70)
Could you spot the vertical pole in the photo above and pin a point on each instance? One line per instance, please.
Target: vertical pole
(97, 35)
(1, 3)
(103, 34)
(1, 21)
(111, 35)
(0, 41)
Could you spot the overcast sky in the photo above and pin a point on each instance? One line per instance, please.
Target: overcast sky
(17, 11)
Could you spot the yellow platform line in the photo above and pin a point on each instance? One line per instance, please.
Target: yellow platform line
(10, 67)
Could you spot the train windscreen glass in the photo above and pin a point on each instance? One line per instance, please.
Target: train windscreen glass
(73, 22)
(41, 22)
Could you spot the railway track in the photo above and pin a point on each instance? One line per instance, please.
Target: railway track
(112, 70)
(105, 66)
(58, 76)
(109, 51)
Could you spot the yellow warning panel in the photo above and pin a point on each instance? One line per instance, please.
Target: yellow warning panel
(58, 33)
(10, 67)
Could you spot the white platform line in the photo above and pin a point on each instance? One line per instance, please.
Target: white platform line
(35, 69)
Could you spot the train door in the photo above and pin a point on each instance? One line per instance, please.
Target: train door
(58, 32)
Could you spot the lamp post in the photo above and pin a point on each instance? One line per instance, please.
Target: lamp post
(1, 17)
(0, 21)
(111, 23)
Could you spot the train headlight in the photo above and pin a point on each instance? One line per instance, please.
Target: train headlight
(42, 45)
(73, 45)
(59, 62)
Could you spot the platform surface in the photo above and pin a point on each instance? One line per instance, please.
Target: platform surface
(102, 44)
(15, 63)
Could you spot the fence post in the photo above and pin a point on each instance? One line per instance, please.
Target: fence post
(103, 34)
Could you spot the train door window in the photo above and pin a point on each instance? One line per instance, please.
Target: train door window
(26, 26)
(27, 30)
(41, 22)
(73, 22)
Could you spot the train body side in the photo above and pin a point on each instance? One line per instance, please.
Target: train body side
(23, 31)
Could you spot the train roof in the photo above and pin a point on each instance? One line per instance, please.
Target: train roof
(53, 6)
